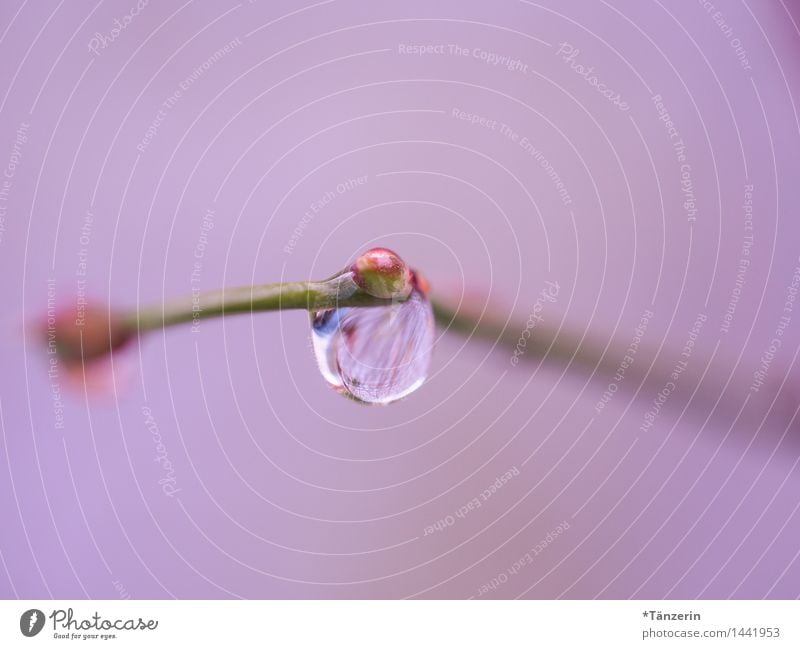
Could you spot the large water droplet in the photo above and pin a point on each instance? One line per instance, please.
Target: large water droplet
(375, 354)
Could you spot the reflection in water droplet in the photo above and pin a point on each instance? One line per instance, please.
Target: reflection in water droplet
(375, 354)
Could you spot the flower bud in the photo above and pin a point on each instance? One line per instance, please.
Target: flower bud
(88, 333)
(382, 273)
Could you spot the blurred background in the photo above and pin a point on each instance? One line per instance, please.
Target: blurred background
(640, 156)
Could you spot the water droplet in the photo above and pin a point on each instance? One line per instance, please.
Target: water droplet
(375, 354)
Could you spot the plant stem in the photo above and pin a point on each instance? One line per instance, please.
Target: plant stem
(341, 291)
(648, 372)
(651, 369)
(338, 291)
(564, 346)
(492, 329)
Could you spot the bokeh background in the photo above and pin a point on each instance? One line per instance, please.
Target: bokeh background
(153, 149)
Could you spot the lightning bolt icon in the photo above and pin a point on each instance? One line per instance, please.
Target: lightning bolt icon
(32, 621)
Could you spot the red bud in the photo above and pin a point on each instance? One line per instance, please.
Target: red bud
(382, 273)
(90, 333)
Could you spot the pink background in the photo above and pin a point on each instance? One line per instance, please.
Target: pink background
(281, 488)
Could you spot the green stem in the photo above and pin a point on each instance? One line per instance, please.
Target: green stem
(342, 291)
(338, 291)
(564, 346)
(506, 334)
(649, 371)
